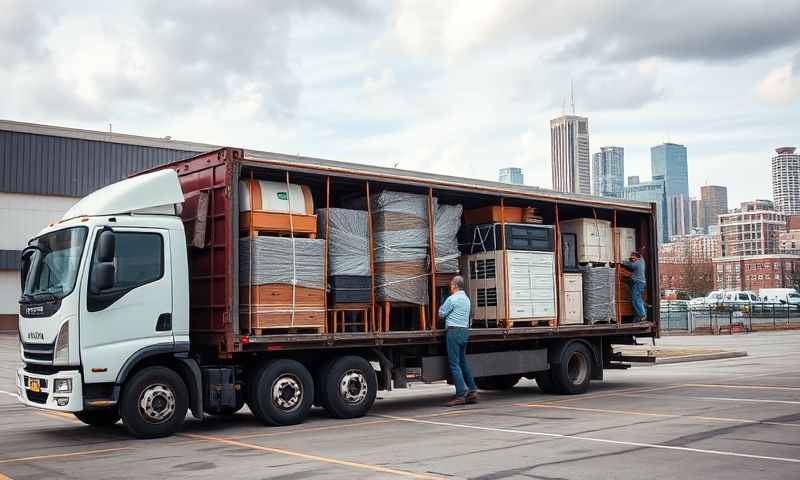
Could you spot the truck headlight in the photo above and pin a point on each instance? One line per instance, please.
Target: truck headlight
(61, 353)
(62, 385)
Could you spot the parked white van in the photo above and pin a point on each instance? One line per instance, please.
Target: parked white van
(780, 295)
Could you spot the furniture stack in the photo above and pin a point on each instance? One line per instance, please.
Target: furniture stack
(401, 236)
(281, 283)
(599, 295)
(571, 299)
(528, 262)
(447, 223)
(349, 275)
(593, 239)
(280, 259)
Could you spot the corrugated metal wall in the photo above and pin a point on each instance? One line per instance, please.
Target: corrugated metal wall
(49, 165)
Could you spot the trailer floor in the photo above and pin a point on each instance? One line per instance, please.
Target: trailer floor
(724, 419)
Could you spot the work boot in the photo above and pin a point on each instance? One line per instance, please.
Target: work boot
(472, 397)
(456, 401)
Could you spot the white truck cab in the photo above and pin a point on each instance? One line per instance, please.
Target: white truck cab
(103, 286)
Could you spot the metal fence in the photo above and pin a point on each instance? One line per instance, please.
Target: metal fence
(718, 319)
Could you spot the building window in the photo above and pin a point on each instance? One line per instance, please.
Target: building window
(737, 268)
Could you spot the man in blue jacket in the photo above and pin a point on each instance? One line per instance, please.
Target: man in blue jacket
(635, 265)
(456, 312)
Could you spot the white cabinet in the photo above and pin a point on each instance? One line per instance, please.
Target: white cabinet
(593, 239)
(626, 242)
(531, 284)
(571, 299)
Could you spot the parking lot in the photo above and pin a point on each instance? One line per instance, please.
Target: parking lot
(736, 418)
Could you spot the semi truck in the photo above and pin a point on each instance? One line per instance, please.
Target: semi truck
(130, 305)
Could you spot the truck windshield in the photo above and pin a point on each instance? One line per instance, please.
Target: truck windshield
(50, 264)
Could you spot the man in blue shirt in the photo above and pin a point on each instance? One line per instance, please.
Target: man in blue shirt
(456, 312)
(635, 265)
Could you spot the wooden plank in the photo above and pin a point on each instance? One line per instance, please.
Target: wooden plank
(432, 243)
(371, 253)
(615, 256)
(492, 214)
(277, 222)
(325, 246)
(557, 233)
(506, 320)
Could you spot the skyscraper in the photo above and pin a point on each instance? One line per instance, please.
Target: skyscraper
(569, 144)
(715, 201)
(669, 161)
(652, 192)
(511, 175)
(786, 180)
(608, 172)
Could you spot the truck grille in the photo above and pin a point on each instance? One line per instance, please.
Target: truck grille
(38, 352)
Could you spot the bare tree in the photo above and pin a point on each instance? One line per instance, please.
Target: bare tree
(697, 274)
(796, 279)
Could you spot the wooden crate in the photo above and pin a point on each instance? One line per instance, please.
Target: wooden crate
(274, 222)
(624, 297)
(493, 214)
(271, 306)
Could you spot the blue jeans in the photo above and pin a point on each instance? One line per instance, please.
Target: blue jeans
(457, 358)
(637, 289)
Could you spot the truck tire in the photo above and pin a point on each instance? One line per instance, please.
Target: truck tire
(348, 386)
(99, 418)
(281, 392)
(497, 382)
(154, 403)
(545, 382)
(571, 375)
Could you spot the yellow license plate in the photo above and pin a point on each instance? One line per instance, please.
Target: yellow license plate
(33, 385)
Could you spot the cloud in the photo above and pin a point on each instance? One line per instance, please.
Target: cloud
(781, 86)
(103, 60)
(626, 30)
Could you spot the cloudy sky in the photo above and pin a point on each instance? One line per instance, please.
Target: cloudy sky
(461, 87)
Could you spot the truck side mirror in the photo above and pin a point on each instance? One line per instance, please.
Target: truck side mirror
(103, 276)
(106, 246)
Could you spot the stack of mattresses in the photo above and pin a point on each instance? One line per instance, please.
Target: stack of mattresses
(445, 237)
(599, 295)
(281, 283)
(349, 275)
(400, 230)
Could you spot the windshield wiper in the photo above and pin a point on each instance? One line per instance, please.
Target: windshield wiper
(26, 298)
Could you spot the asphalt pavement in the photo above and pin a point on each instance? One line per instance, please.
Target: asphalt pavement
(735, 418)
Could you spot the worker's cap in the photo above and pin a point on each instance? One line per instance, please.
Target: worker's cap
(636, 254)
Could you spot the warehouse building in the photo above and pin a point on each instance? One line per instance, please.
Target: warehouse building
(44, 170)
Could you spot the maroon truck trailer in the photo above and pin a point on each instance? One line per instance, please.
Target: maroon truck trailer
(562, 358)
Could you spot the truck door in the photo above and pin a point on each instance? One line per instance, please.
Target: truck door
(133, 310)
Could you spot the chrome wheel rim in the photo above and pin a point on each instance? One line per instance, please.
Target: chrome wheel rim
(577, 368)
(353, 387)
(157, 403)
(287, 393)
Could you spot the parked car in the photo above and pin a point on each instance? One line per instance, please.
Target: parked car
(788, 296)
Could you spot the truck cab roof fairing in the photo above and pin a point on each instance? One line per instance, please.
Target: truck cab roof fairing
(137, 193)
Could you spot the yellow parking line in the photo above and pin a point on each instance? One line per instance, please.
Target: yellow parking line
(614, 393)
(663, 415)
(315, 458)
(61, 455)
(337, 426)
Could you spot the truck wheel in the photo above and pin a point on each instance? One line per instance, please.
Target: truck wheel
(281, 392)
(497, 382)
(99, 418)
(349, 387)
(545, 382)
(572, 374)
(154, 403)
